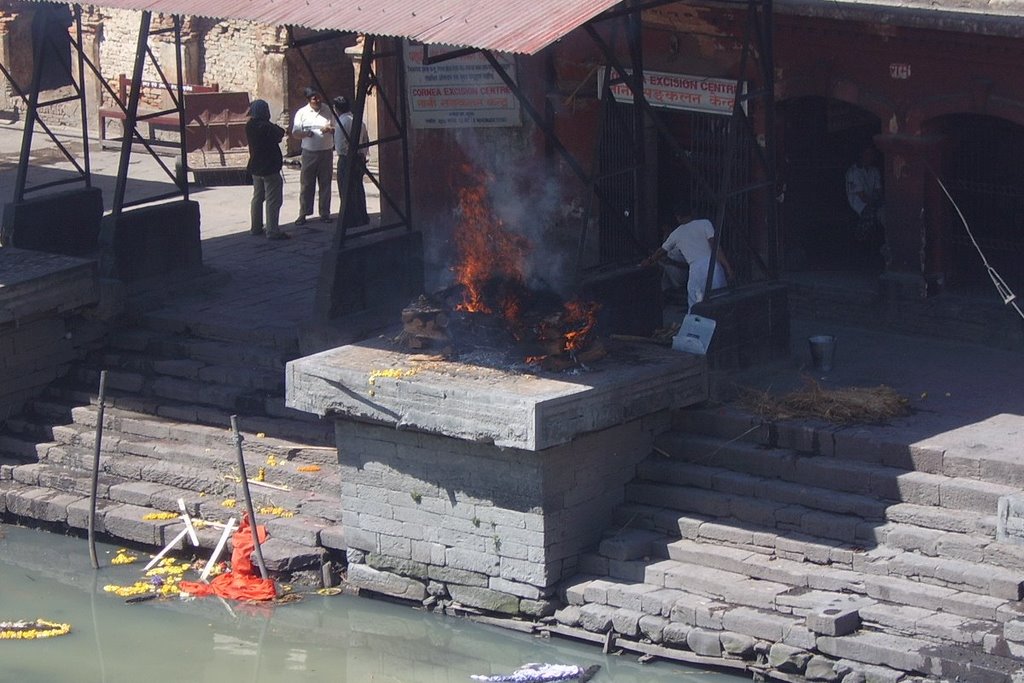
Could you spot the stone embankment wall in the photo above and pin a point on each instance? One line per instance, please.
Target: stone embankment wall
(47, 319)
(485, 527)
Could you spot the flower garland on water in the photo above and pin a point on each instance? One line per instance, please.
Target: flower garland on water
(123, 557)
(32, 630)
(163, 581)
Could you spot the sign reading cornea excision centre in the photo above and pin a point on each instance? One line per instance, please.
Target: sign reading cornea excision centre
(462, 92)
(678, 91)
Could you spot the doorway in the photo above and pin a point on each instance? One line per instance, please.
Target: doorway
(820, 139)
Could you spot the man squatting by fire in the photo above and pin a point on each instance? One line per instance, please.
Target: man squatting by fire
(689, 243)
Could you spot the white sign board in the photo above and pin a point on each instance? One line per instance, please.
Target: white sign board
(462, 92)
(678, 91)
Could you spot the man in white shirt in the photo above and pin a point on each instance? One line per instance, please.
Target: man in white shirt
(353, 207)
(313, 125)
(690, 244)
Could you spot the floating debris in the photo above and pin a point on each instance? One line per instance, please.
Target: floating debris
(32, 630)
(543, 673)
(123, 557)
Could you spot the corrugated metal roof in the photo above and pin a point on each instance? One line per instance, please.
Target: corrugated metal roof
(520, 26)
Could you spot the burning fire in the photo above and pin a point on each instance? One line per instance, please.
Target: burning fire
(491, 269)
(487, 251)
(578, 318)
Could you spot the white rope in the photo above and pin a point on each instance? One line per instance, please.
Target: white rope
(1001, 287)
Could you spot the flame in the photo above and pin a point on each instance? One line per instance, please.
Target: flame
(579, 318)
(486, 250)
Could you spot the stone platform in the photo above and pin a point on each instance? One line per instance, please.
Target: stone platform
(480, 484)
(374, 382)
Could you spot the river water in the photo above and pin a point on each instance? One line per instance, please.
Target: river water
(341, 639)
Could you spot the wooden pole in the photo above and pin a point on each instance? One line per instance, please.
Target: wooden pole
(248, 498)
(96, 471)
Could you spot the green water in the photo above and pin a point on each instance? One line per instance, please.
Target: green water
(340, 639)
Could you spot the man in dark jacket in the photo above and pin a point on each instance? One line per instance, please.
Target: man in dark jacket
(264, 138)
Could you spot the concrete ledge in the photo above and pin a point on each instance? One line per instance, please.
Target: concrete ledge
(372, 382)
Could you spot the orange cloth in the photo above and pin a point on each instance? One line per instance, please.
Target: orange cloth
(241, 583)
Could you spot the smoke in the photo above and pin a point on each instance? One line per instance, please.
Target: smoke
(525, 195)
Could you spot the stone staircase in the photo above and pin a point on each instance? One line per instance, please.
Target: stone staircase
(171, 390)
(812, 553)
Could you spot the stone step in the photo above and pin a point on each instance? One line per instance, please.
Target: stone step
(204, 480)
(726, 586)
(313, 447)
(178, 344)
(277, 420)
(295, 543)
(941, 492)
(860, 444)
(284, 339)
(764, 512)
(828, 473)
(970, 524)
(800, 622)
(964, 562)
(247, 376)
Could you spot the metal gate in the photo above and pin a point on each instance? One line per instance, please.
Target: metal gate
(616, 159)
(710, 147)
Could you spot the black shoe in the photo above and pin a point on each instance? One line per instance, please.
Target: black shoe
(256, 233)
(325, 219)
(279, 236)
(301, 220)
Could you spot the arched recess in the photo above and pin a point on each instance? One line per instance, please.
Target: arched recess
(983, 171)
(819, 139)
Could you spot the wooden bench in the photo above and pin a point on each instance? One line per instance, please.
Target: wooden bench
(156, 89)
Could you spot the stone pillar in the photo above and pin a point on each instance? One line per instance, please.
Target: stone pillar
(912, 211)
(10, 104)
(189, 50)
(92, 37)
(272, 74)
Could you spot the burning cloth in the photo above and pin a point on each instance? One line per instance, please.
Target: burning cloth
(542, 673)
(241, 583)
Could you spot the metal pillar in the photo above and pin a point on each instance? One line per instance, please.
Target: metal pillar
(131, 133)
(376, 51)
(46, 51)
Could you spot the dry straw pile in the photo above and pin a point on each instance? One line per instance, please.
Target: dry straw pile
(848, 405)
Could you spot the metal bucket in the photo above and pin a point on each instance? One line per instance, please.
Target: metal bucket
(823, 348)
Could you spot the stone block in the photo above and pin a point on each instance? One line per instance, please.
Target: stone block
(627, 622)
(569, 615)
(788, 659)
(283, 556)
(629, 595)
(333, 537)
(367, 578)
(653, 627)
(897, 652)
(737, 644)
(521, 590)
(821, 669)
(597, 618)
(704, 642)
(834, 621)
(676, 634)
(485, 599)
(460, 576)
(299, 529)
(752, 622)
